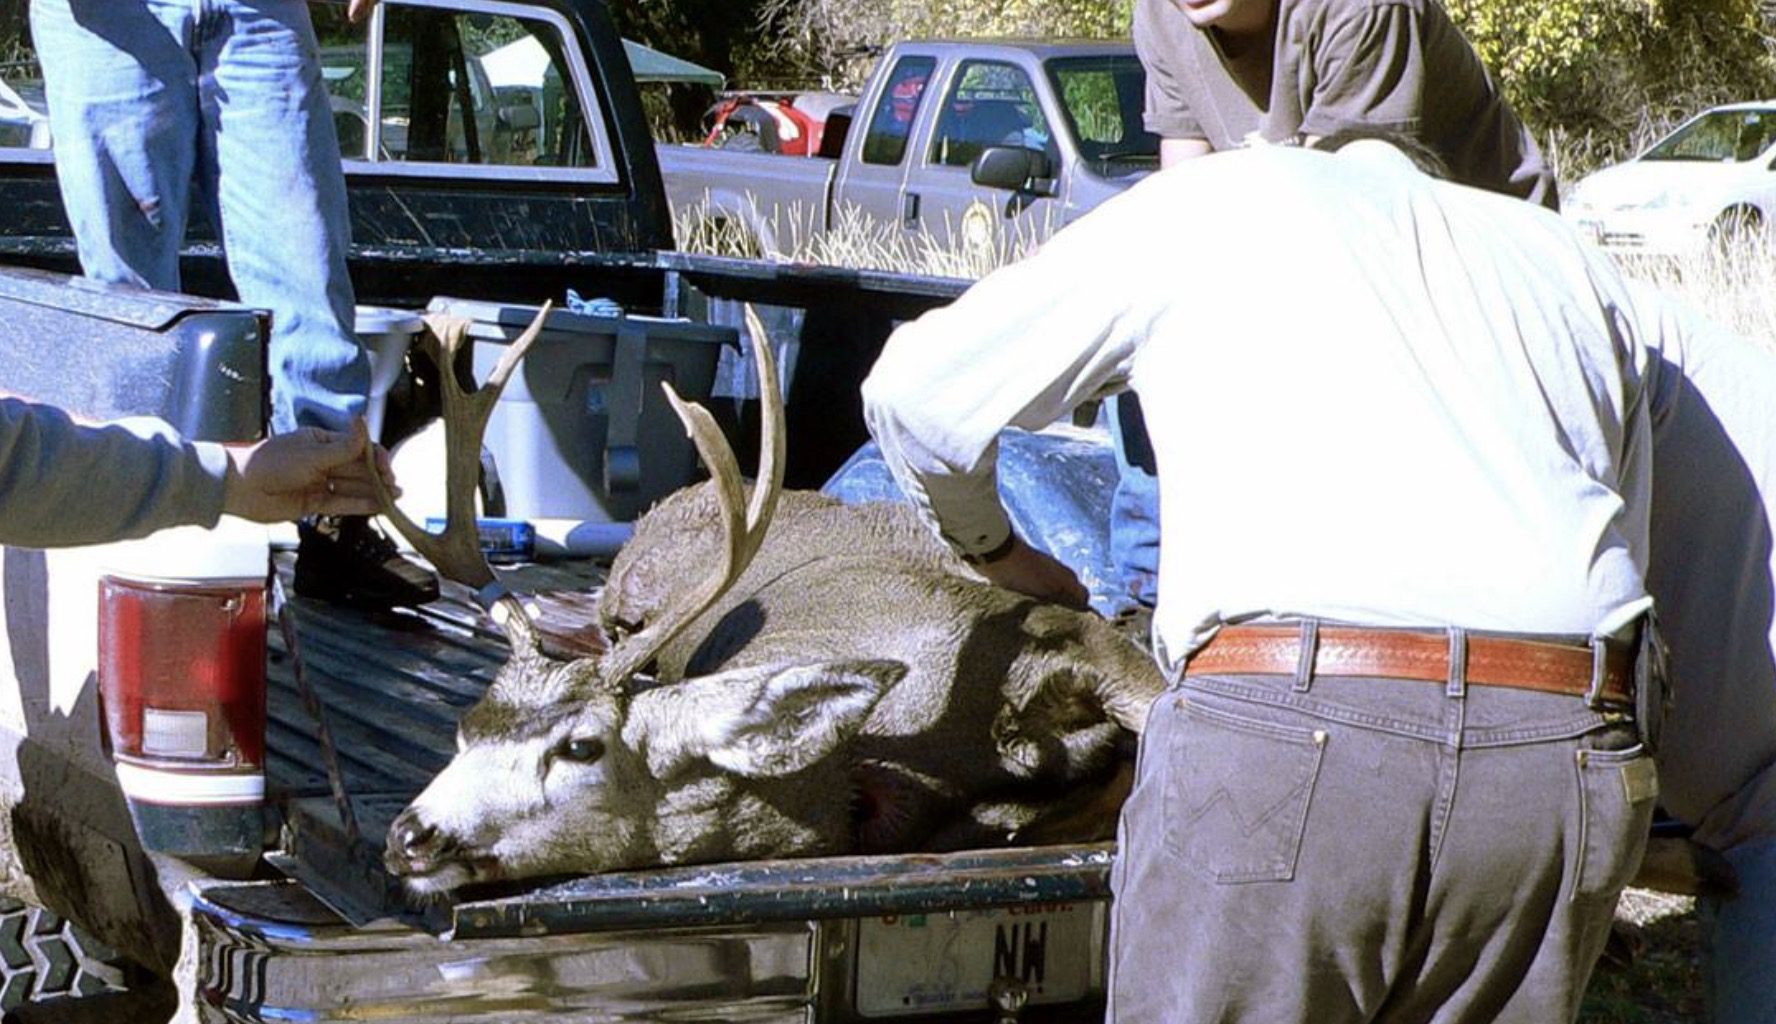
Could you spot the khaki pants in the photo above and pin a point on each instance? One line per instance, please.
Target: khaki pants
(1354, 849)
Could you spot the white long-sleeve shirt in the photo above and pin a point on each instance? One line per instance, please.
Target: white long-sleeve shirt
(1373, 397)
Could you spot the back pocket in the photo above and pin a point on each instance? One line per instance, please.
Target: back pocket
(1617, 790)
(1237, 793)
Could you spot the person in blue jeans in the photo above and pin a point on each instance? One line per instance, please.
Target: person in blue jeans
(155, 104)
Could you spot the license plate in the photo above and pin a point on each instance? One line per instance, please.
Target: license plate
(930, 963)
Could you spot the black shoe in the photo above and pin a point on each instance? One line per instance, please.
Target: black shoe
(345, 560)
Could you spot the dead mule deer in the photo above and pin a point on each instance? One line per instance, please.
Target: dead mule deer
(821, 679)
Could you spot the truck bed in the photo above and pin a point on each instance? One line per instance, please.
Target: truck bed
(814, 939)
(392, 685)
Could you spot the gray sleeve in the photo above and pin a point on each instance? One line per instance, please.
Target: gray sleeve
(1712, 571)
(1168, 113)
(1369, 71)
(62, 483)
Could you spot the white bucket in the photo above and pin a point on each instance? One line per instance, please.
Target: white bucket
(385, 334)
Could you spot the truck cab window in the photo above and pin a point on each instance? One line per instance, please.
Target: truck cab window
(24, 120)
(343, 63)
(459, 86)
(892, 121)
(990, 104)
(467, 87)
(1102, 99)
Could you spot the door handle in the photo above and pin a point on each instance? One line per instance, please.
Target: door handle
(909, 210)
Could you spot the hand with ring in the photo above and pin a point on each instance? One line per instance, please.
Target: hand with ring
(304, 473)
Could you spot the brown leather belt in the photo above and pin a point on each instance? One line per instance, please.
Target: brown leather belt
(1407, 654)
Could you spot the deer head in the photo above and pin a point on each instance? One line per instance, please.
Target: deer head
(574, 765)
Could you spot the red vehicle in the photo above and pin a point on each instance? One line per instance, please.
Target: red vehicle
(790, 123)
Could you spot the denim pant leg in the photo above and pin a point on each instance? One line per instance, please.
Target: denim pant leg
(1134, 508)
(1337, 856)
(1739, 941)
(122, 93)
(268, 126)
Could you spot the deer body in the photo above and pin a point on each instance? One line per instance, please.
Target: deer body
(841, 683)
(1001, 694)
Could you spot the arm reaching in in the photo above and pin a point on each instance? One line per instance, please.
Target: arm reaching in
(1029, 571)
(304, 473)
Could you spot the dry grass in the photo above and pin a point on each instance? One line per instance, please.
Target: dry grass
(856, 240)
(1732, 286)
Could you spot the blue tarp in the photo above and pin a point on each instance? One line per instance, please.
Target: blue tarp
(1056, 486)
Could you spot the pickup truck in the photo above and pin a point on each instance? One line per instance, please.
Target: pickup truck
(507, 187)
(967, 142)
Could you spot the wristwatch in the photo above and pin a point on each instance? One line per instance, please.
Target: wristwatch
(995, 554)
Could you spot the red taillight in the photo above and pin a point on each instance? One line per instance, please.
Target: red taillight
(182, 681)
(182, 668)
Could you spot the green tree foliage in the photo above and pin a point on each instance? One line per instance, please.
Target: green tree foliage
(833, 39)
(1599, 77)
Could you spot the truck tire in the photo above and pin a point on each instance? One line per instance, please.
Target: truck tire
(44, 957)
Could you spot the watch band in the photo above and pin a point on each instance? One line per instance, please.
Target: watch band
(995, 554)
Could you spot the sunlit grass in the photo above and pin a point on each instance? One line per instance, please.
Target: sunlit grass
(1735, 284)
(856, 240)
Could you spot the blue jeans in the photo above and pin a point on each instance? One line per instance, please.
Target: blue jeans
(1739, 941)
(148, 98)
(1134, 508)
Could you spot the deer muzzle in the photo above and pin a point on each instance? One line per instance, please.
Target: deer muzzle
(416, 848)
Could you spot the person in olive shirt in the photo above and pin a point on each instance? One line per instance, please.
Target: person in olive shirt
(1221, 73)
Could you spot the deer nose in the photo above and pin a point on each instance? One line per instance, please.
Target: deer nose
(412, 838)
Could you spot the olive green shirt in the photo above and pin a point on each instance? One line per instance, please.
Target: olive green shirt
(1331, 65)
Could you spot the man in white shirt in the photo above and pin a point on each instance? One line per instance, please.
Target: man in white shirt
(1403, 435)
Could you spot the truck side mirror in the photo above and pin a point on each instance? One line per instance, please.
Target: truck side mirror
(1014, 168)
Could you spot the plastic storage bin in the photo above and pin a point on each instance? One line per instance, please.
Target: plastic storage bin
(386, 334)
(583, 432)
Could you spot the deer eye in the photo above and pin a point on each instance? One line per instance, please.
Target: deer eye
(581, 749)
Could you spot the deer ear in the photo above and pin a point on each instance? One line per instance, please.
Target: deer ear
(774, 720)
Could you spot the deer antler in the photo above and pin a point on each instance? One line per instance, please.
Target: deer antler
(743, 531)
(457, 551)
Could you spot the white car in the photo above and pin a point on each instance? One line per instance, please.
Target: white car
(1710, 180)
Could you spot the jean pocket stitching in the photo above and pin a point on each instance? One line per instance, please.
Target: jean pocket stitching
(1220, 835)
(1601, 789)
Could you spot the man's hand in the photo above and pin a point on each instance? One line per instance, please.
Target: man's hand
(359, 10)
(1029, 571)
(305, 473)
